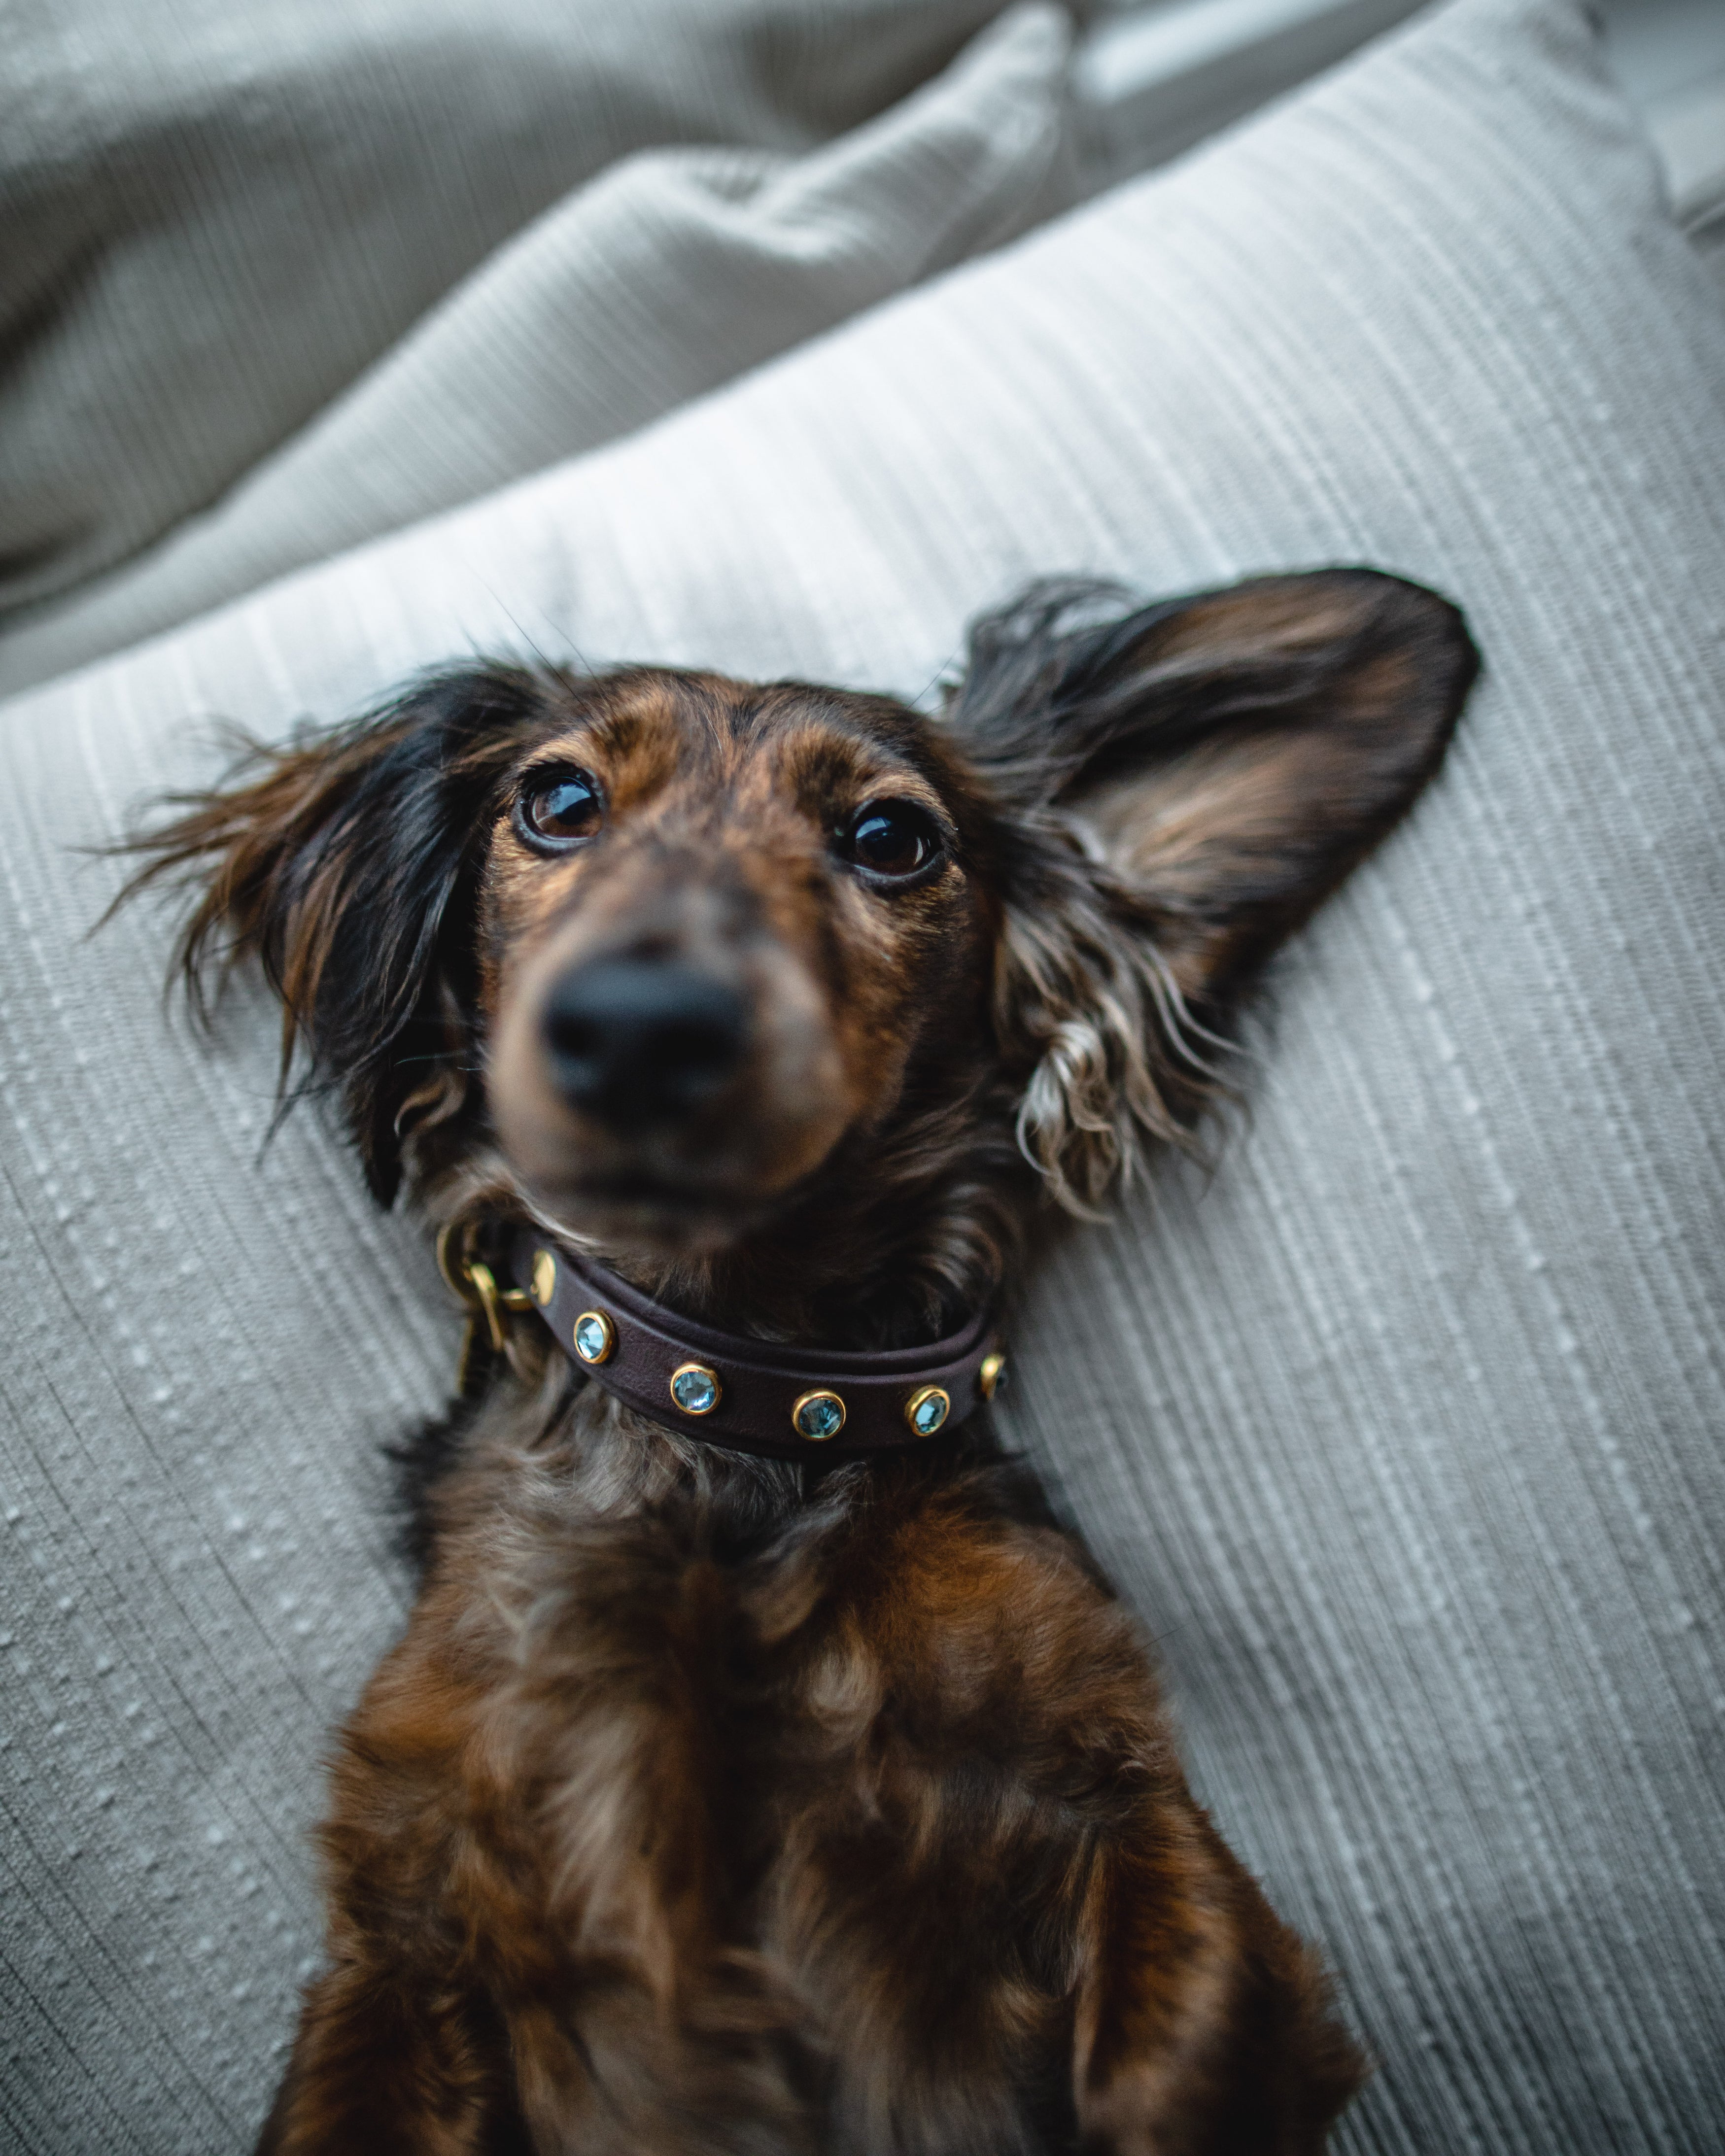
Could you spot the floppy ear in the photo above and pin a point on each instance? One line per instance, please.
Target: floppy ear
(1180, 788)
(343, 865)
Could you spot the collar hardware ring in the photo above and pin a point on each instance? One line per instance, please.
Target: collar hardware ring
(475, 1286)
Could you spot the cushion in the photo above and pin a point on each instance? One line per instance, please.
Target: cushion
(1400, 1429)
(214, 224)
(672, 270)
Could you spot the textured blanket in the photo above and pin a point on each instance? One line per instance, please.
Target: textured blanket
(1400, 1432)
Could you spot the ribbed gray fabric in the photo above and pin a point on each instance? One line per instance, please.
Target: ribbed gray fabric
(215, 218)
(1402, 1432)
(670, 273)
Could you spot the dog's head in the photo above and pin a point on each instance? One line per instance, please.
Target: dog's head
(689, 961)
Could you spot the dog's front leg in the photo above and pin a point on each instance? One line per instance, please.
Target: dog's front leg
(402, 2045)
(377, 2070)
(1203, 2026)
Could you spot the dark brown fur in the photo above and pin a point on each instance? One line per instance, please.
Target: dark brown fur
(710, 1804)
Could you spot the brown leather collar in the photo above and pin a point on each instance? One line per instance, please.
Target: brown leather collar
(750, 1395)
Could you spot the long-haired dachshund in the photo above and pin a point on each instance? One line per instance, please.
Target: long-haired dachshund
(762, 1769)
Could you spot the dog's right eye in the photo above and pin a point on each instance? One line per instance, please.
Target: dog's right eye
(557, 809)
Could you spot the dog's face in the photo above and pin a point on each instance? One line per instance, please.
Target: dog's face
(692, 962)
(717, 926)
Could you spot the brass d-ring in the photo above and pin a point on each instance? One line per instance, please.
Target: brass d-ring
(474, 1283)
(453, 1239)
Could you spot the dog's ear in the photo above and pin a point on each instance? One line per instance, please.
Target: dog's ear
(1177, 789)
(344, 865)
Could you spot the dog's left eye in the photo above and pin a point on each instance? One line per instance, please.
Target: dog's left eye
(557, 809)
(892, 840)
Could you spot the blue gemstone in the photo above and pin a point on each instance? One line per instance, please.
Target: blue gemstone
(696, 1391)
(592, 1337)
(821, 1415)
(929, 1413)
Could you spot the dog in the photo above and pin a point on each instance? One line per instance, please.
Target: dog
(763, 1768)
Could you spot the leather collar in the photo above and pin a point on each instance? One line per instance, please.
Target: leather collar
(750, 1395)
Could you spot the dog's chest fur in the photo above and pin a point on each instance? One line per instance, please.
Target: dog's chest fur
(789, 1755)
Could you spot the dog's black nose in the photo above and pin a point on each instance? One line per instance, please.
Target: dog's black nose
(635, 1041)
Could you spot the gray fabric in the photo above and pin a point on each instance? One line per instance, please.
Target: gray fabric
(1163, 77)
(674, 270)
(1402, 1433)
(214, 218)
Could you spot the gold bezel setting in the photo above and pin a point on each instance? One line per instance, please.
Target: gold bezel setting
(820, 1396)
(926, 1397)
(545, 1278)
(700, 1371)
(608, 1332)
(993, 1369)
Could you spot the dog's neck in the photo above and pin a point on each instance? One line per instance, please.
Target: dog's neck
(853, 1264)
(898, 1239)
(932, 1264)
(735, 1390)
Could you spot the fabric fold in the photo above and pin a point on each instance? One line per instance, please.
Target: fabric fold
(215, 218)
(673, 271)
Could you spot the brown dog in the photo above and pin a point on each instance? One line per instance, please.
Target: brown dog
(794, 1797)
